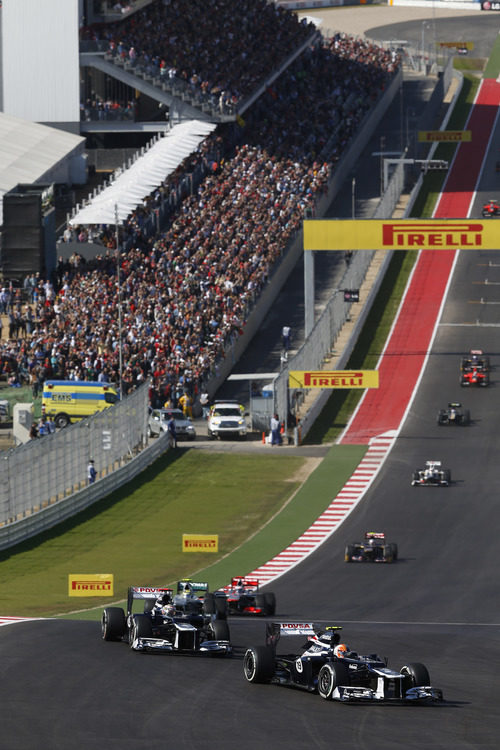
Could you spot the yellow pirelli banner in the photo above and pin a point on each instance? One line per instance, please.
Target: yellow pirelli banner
(401, 234)
(453, 136)
(93, 584)
(469, 46)
(200, 542)
(333, 379)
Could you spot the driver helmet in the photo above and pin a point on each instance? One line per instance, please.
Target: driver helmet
(169, 610)
(164, 599)
(341, 650)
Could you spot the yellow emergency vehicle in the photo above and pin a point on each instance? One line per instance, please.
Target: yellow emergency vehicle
(69, 401)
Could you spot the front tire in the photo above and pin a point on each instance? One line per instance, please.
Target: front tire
(331, 675)
(415, 675)
(220, 630)
(258, 664)
(113, 624)
(349, 552)
(141, 628)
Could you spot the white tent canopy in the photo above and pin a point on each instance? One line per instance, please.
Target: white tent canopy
(127, 191)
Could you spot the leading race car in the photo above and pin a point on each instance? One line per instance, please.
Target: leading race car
(475, 369)
(454, 414)
(243, 596)
(490, 209)
(375, 548)
(433, 475)
(333, 670)
(168, 623)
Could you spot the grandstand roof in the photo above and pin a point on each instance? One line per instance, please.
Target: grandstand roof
(29, 152)
(148, 172)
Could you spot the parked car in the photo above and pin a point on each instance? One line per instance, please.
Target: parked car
(159, 419)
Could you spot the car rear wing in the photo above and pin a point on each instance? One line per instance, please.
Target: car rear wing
(374, 535)
(274, 630)
(432, 464)
(146, 592)
(198, 588)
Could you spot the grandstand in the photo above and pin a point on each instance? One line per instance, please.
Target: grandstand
(198, 250)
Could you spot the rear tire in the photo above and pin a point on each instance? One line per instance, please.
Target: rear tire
(209, 607)
(466, 417)
(61, 420)
(113, 624)
(258, 664)
(415, 675)
(260, 603)
(270, 600)
(447, 475)
(349, 552)
(394, 548)
(331, 675)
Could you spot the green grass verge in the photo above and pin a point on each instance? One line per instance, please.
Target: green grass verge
(297, 515)
(493, 65)
(136, 532)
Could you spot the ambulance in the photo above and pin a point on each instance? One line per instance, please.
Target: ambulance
(69, 401)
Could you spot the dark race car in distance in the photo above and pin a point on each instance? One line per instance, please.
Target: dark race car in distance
(374, 548)
(475, 369)
(243, 596)
(453, 414)
(433, 475)
(165, 625)
(334, 671)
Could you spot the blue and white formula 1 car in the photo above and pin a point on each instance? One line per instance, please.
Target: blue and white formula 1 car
(333, 670)
(166, 625)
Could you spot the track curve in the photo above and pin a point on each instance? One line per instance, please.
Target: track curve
(439, 604)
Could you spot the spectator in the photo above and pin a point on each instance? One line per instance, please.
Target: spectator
(172, 431)
(275, 430)
(91, 472)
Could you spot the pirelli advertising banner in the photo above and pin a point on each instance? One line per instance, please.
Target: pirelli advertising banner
(93, 584)
(402, 234)
(450, 136)
(200, 542)
(333, 379)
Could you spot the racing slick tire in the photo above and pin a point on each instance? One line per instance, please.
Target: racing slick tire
(349, 552)
(388, 556)
(209, 607)
(415, 675)
(220, 630)
(141, 628)
(221, 607)
(447, 476)
(414, 478)
(441, 417)
(260, 603)
(258, 664)
(331, 675)
(113, 624)
(465, 417)
(394, 548)
(270, 601)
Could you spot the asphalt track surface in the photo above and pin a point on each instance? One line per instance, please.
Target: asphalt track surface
(439, 604)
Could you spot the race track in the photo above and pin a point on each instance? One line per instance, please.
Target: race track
(438, 604)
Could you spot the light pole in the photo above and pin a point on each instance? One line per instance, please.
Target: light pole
(119, 295)
(353, 197)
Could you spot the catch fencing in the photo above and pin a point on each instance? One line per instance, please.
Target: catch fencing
(324, 333)
(49, 469)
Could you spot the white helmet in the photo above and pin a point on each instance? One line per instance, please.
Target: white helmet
(341, 650)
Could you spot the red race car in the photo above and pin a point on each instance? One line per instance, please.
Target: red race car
(475, 369)
(490, 209)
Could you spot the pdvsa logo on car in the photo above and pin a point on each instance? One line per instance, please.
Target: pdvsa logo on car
(333, 379)
(96, 584)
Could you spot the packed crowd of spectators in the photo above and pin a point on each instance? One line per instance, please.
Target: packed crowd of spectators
(217, 46)
(186, 293)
